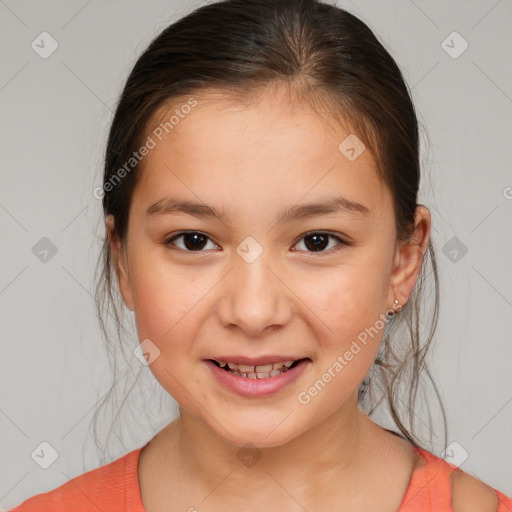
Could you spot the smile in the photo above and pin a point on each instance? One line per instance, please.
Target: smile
(256, 380)
(263, 371)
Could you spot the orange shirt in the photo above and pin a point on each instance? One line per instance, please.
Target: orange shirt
(115, 487)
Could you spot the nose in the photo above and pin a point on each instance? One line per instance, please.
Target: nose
(254, 297)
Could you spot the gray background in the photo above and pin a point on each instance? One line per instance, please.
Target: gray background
(55, 114)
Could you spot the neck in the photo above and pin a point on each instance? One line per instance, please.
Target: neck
(338, 449)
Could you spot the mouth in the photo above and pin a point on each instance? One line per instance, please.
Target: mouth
(258, 371)
(261, 377)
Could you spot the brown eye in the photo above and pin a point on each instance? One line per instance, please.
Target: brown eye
(193, 241)
(315, 242)
(319, 241)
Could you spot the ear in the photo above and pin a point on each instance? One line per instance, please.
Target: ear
(409, 258)
(120, 263)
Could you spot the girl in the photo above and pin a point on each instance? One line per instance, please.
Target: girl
(260, 199)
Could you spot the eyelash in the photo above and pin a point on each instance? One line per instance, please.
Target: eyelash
(169, 241)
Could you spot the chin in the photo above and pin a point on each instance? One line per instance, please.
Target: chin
(264, 434)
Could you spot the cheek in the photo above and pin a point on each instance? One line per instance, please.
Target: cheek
(164, 300)
(350, 298)
(166, 307)
(349, 307)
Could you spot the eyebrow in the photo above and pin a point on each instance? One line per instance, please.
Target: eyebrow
(329, 206)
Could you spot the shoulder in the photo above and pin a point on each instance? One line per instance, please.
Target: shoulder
(469, 494)
(103, 488)
(450, 488)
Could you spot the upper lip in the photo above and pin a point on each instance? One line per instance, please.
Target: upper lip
(256, 361)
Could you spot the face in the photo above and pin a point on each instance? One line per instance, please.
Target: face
(259, 278)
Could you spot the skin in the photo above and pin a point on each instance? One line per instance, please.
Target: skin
(252, 161)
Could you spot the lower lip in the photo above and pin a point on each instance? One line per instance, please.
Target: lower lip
(256, 387)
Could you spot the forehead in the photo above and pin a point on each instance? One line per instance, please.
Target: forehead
(266, 148)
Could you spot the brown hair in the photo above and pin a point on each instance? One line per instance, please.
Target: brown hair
(329, 58)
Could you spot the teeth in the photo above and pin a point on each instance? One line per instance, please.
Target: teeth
(252, 369)
(263, 371)
(263, 368)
